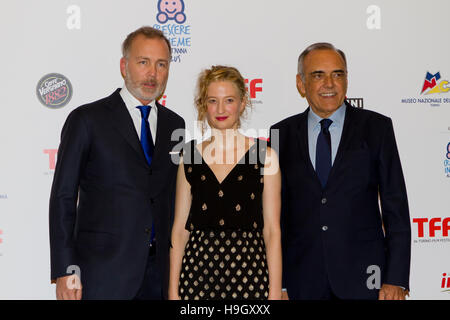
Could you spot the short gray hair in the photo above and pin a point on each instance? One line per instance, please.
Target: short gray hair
(149, 33)
(317, 46)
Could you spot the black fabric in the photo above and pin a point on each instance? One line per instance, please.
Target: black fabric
(225, 255)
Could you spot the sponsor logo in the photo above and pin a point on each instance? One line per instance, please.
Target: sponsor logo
(356, 102)
(1, 240)
(427, 230)
(432, 84)
(447, 161)
(54, 90)
(171, 18)
(3, 196)
(445, 283)
(171, 10)
(52, 156)
(253, 86)
(162, 100)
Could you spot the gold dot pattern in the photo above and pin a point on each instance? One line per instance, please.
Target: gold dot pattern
(224, 257)
(228, 271)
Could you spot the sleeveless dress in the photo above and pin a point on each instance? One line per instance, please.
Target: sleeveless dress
(225, 256)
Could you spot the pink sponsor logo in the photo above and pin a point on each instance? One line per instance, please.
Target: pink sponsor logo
(52, 154)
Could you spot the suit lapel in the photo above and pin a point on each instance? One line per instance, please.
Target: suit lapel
(302, 139)
(121, 120)
(162, 134)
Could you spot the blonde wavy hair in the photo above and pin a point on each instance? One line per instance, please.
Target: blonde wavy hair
(218, 73)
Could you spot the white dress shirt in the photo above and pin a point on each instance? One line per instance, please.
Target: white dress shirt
(131, 103)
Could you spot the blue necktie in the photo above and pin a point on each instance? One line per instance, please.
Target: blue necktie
(147, 146)
(323, 152)
(146, 135)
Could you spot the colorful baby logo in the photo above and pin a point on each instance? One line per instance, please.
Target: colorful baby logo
(171, 10)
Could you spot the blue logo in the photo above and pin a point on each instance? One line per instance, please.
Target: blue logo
(171, 10)
(171, 19)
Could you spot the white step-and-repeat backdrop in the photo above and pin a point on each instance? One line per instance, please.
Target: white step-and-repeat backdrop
(59, 54)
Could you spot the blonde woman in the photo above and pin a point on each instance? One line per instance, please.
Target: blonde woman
(226, 234)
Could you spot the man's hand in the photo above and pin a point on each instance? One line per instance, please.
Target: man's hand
(391, 292)
(68, 288)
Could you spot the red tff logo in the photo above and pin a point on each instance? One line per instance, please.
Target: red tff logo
(434, 224)
(52, 153)
(253, 87)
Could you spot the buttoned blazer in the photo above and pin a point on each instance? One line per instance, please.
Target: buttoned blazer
(105, 197)
(336, 232)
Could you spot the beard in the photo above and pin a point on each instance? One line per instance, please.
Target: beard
(139, 91)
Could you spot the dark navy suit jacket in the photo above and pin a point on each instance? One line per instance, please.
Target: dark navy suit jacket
(105, 197)
(335, 233)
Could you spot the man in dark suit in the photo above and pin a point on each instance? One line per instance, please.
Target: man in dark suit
(112, 197)
(337, 162)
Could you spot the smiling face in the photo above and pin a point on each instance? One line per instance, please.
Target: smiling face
(146, 68)
(325, 81)
(224, 105)
(171, 7)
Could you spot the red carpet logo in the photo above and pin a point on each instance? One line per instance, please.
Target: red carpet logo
(433, 86)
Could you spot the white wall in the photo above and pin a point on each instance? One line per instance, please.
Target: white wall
(390, 46)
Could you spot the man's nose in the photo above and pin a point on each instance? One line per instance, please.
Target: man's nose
(328, 81)
(151, 71)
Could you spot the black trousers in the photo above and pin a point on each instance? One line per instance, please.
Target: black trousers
(151, 285)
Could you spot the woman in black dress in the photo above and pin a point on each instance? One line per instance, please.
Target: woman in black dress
(226, 241)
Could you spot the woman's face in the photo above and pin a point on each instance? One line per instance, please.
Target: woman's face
(224, 105)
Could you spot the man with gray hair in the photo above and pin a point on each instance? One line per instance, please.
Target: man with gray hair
(112, 197)
(337, 163)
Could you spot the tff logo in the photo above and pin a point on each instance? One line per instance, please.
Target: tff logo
(52, 153)
(1, 233)
(253, 87)
(434, 224)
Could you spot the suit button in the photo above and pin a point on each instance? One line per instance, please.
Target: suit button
(324, 228)
(324, 200)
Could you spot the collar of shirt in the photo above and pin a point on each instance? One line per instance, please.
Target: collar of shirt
(131, 103)
(337, 117)
(336, 127)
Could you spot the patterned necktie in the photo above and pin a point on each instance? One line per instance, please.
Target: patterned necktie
(323, 152)
(146, 135)
(147, 146)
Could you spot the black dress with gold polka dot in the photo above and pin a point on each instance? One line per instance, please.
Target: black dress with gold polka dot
(225, 256)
